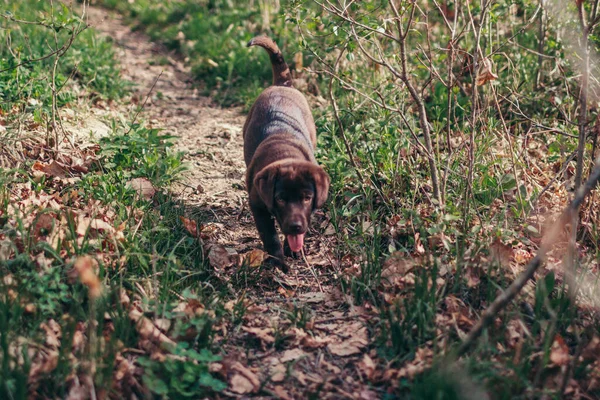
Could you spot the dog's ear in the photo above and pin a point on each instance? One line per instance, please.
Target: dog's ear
(264, 182)
(322, 181)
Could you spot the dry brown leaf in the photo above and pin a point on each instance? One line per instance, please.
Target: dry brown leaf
(422, 361)
(345, 348)
(281, 393)
(559, 352)
(354, 344)
(473, 275)
(253, 258)
(190, 226)
(143, 187)
(313, 297)
(277, 370)
(102, 226)
(522, 256)
(43, 225)
(86, 268)
(210, 230)
(367, 365)
(292, 354)
(53, 169)
(242, 380)
(53, 333)
(485, 74)
(6, 249)
(501, 252)
(396, 268)
(264, 335)
(315, 342)
(44, 366)
(514, 332)
(592, 350)
(287, 293)
(147, 330)
(367, 394)
(221, 257)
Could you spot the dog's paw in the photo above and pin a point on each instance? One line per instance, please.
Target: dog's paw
(277, 263)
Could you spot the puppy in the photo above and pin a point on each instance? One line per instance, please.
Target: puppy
(283, 178)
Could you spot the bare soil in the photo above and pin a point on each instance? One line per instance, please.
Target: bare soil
(298, 335)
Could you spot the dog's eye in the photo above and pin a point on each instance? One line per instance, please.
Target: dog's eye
(307, 199)
(280, 201)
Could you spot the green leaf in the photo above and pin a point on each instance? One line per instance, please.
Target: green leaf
(155, 384)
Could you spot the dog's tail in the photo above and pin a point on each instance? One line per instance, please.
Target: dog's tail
(281, 71)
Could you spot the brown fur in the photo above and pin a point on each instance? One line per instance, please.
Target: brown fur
(283, 178)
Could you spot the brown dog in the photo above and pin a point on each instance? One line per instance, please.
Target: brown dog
(282, 177)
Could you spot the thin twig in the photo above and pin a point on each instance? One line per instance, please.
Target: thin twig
(140, 109)
(312, 270)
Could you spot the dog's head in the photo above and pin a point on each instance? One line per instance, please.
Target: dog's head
(291, 191)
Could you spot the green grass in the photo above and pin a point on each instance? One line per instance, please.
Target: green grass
(53, 325)
(89, 61)
(213, 35)
(155, 253)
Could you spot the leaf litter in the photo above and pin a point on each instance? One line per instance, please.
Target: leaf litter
(275, 349)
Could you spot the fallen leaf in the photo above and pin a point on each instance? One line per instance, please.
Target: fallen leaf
(277, 371)
(345, 348)
(313, 297)
(221, 257)
(473, 275)
(281, 393)
(559, 352)
(315, 342)
(147, 330)
(44, 366)
(242, 380)
(422, 361)
(143, 187)
(501, 252)
(292, 354)
(190, 226)
(367, 394)
(264, 335)
(592, 350)
(102, 226)
(419, 248)
(395, 269)
(253, 258)
(53, 333)
(53, 169)
(367, 365)
(43, 225)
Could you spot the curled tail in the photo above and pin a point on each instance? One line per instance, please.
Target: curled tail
(281, 71)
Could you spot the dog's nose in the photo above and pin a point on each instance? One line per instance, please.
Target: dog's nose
(296, 227)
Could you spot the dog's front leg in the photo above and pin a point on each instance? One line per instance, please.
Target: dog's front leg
(268, 234)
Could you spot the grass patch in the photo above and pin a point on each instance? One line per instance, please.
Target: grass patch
(212, 37)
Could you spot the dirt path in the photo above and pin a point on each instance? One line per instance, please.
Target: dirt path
(296, 335)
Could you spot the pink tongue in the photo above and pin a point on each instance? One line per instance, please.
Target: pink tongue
(296, 242)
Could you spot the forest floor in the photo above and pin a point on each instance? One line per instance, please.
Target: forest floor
(298, 334)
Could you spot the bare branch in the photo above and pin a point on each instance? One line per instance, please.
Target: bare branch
(515, 288)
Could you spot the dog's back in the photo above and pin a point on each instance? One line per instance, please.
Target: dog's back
(279, 110)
